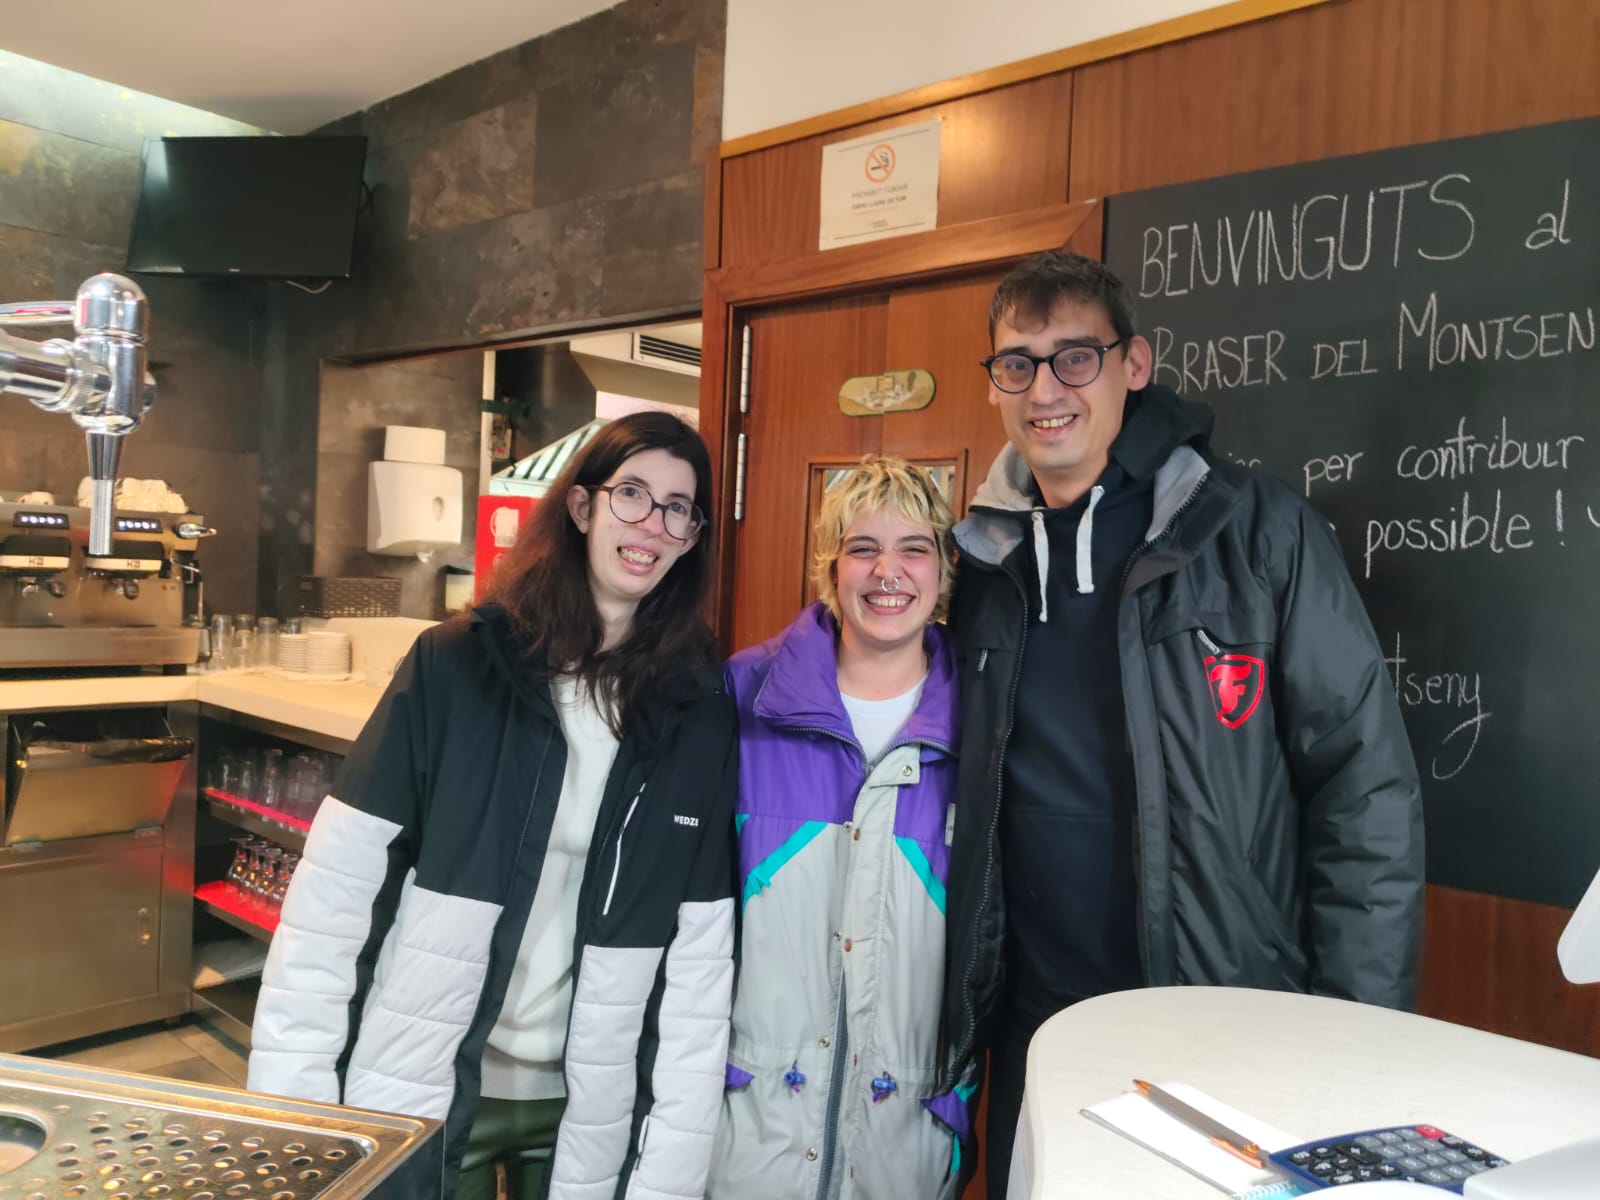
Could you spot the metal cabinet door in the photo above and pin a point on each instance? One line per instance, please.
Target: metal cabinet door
(79, 925)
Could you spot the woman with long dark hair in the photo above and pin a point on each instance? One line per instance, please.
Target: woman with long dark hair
(515, 911)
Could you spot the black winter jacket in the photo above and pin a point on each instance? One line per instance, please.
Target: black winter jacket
(401, 928)
(1278, 834)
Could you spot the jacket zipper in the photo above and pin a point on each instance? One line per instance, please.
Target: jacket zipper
(1138, 840)
(1209, 646)
(616, 866)
(971, 1023)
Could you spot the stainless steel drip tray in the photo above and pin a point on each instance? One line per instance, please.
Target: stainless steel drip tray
(68, 1131)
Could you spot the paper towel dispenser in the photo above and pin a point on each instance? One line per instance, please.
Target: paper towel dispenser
(413, 499)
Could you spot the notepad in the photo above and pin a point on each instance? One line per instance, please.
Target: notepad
(1135, 1118)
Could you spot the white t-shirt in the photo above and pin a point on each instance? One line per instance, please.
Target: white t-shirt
(522, 1060)
(877, 721)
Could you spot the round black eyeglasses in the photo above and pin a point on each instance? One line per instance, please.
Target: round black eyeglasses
(1076, 366)
(632, 504)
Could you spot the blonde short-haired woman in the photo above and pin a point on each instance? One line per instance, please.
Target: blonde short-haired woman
(847, 736)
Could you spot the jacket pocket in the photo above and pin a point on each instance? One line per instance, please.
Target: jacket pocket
(1229, 628)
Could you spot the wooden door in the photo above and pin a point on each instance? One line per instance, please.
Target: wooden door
(801, 354)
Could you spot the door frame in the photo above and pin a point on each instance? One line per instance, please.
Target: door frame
(732, 294)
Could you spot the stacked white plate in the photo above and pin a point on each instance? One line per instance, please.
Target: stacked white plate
(327, 653)
(292, 650)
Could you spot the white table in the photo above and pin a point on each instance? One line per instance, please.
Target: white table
(1309, 1065)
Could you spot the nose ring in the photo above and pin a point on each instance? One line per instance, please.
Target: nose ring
(890, 585)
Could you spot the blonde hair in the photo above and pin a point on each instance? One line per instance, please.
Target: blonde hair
(881, 483)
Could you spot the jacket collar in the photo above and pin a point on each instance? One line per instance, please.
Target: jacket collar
(528, 675)
(801, 690)
(1164, 436)
(525, 673)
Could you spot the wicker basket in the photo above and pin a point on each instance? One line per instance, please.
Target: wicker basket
(349, 596)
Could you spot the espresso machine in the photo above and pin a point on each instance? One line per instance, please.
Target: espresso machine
(92, 587)
(62, 605)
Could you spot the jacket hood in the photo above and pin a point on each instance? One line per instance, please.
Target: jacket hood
(1163, 437)
(802, 686)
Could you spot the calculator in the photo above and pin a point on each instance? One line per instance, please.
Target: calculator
(1413, 1153)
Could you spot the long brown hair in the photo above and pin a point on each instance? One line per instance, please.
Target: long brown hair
(543, 583)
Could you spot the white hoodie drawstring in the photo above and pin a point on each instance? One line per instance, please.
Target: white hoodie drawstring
(1041, 558)
(1041, 551)
(1086, 542)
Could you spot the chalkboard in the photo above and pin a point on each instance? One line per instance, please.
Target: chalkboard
(1408, 338)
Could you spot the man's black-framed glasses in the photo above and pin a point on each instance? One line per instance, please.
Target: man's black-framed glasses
(1076, 366)
(631, 504)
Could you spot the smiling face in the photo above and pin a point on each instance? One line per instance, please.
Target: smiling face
(882, 549)
(626, 562)
(1065, 433)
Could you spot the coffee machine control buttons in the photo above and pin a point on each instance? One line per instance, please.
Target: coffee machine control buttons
(39, 520)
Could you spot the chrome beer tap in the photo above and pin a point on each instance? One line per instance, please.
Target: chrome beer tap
(99, 376)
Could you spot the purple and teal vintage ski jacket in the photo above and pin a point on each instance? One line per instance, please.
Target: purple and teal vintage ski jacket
(833, 1068)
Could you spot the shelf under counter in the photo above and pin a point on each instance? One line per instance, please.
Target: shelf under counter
(256, 818)
(221, 899)
(230, 1006)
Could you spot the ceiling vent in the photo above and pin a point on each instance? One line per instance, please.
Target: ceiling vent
(660, 352)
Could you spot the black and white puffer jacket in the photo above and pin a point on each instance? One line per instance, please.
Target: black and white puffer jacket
(400, 930)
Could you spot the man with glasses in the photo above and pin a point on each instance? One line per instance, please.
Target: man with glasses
(1182, 759)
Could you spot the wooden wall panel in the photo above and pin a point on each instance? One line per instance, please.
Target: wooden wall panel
(771, 198)
(1336, 79)
(1491, 963)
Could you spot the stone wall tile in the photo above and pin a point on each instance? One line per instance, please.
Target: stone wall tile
(468, 90)
(705, 130)
(476, 170)
(602, 132)
(341, 499)
(654, 216)
(658, 282)
(608, 42)
(62, 185)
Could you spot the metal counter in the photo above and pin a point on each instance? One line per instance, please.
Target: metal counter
(69, 1131)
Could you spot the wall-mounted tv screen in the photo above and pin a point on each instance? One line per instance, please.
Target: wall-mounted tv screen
(273, 206)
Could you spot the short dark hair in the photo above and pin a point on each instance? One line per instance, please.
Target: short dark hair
(543, 582)
(1031, 288)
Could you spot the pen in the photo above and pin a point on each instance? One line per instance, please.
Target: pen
(1219, 1134)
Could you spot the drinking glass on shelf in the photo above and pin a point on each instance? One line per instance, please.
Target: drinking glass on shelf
(273, 776)
(241, 858)
(247, 860)
(221, 643)
(310, 788)
(280, 884)
(244, 649)
(248, 786)
(267, 881)
(227, 772)
(267, 642)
